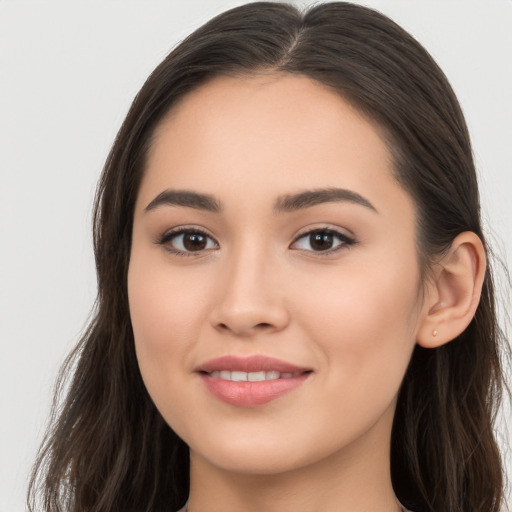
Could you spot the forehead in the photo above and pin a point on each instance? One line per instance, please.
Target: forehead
(299, 108)
(268, 134)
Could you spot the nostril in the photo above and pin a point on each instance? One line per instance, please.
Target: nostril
(264, 325)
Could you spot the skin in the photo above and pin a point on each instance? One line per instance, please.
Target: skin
(353, 316)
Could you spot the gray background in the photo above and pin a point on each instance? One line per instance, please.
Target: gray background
(68, 72)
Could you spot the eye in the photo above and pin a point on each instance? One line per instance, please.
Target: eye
(184, 242)
(322, 240)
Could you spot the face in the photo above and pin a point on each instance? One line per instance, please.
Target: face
(273, 282)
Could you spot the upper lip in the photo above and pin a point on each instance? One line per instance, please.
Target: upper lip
(256, 363)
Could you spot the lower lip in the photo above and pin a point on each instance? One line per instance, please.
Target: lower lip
(251, 394)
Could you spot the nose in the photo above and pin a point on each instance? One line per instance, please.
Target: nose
(250, 298)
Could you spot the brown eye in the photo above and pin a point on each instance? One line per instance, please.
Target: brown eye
(322, 240)
(194, 241)
(184, 242)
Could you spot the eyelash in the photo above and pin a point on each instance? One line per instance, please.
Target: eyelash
(345, 241)
(167, 237)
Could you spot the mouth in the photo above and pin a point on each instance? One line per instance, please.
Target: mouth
(251, 381)
(237, 376)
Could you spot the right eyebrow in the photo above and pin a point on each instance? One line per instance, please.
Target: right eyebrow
(185, 198)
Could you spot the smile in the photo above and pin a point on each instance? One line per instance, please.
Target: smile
(252, 376)
(251, 381)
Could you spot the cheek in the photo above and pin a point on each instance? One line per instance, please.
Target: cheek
(363, 324)
(364, 318)
(165, 308)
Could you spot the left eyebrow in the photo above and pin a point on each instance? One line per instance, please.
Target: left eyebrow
(309, 198)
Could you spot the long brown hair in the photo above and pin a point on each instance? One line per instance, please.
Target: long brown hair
(108, 448)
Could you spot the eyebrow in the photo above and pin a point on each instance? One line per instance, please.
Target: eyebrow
(185, 198)
(284, 204)
(309, 198)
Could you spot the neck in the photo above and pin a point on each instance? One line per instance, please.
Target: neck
(356, 479)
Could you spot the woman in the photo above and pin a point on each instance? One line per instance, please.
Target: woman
(295, 310)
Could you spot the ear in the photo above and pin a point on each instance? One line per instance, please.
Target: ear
(454, 292)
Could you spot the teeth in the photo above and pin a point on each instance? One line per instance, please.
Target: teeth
(256, 376)
(237, 376)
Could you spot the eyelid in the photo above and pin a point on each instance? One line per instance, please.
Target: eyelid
(346, 240)
(165, 239)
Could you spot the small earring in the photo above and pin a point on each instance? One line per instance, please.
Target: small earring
(434, 333)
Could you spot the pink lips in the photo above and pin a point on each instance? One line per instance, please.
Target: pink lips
(250, 393)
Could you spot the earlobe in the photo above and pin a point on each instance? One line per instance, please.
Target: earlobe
(454, 292)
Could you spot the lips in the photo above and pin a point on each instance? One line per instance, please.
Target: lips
(251, 381)
(249, 364)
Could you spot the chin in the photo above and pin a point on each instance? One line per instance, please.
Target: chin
(258, 461)
(267, 453)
